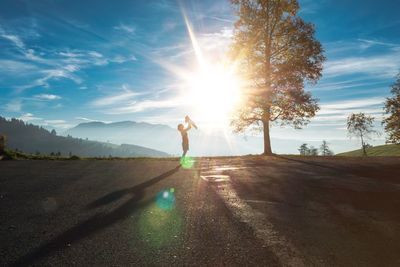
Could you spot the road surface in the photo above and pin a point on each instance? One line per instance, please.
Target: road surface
(254, 211)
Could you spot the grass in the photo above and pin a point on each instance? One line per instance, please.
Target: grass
(384, 150)
(16, 155)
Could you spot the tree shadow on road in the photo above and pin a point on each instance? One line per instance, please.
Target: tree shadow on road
(310, 163)
(98, 221)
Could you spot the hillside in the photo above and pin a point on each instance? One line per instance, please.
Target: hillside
(129, 132)
(37, 140)
(384, 150)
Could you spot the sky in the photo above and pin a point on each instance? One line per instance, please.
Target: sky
(67, 62)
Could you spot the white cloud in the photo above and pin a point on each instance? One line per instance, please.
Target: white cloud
(169, 25)
(47, 97)
(144, 105)
(379, 62)
(380, 66)
(95, 54)
(14, 39)
(338, 111)
(84, 119)
(122, 59)
(127, 28)
(55, 121)
(355, 103)
(29, 117)
(90, 120)
(365, 43)
(16, 67)
(331, 86)
(125, 96)
(58, 64)
(58, 124)
(14, 105)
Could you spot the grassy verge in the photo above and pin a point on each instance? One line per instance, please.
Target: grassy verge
(384, 150)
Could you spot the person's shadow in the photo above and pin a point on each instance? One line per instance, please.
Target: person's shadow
(98, 221)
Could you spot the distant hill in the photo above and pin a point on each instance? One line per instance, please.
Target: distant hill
(384, 150)
(155, 136)
(35, 139)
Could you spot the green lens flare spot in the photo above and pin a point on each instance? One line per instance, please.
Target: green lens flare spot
(187, 162)
(166, 199)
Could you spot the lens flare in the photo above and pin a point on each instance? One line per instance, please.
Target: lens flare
(187, 162)
(166, 199)
(160, 224)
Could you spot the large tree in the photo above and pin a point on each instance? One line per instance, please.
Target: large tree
(276, 52)
(392, 108)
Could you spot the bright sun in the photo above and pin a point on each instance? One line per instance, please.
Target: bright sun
(213, 91)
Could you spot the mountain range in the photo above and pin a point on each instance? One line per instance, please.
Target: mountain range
(34, 139)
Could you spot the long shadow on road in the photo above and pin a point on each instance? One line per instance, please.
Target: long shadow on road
(98, 221)
(111, 197)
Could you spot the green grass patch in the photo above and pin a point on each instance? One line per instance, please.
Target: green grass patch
(392, 150)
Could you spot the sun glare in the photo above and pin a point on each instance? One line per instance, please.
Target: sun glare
(213, 92)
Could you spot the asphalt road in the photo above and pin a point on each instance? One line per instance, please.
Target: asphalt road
(265, 211)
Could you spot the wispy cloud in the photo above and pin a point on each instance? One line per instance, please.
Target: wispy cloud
(14, 105)
(386, 65)
(169, 25)
(52, 64)
(355, 103)
(47, 97)
(29, 117)
(338, 111)
(367, 43)
(55, 121)
(14, 39)
(14, 67)
(125, 96)
(126, 28)
(145, 105)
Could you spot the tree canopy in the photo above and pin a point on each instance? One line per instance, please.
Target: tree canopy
(392, 108)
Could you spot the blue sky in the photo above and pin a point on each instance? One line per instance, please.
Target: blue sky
(67, 62)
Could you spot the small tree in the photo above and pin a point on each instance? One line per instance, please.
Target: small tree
(324, 148)
(392, 108)
(303, 149)
(361, 126)
(313, 151)
(53, 132)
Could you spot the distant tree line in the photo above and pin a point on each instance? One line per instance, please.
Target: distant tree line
(324, 150)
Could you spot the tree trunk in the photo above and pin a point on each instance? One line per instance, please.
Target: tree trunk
(267, 110)
(267, 140)
(363, 145)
